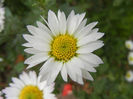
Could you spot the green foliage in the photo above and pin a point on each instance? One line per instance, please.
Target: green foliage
(115, 20)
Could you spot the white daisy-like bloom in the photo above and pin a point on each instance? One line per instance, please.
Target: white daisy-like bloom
(29, 86)
(65, 45)
(1, 95)
(129, 44)
(130, 58)
(1, 59)
(129, 76)
(2, 17)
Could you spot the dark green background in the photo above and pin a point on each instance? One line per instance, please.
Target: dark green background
(115, 19)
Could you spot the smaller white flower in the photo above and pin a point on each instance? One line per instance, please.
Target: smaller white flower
(29, 86)
(130, 58)
(2, 17)
(1, 1)
(1, 95)
(129, 44)
(129, 76)
(1, 59)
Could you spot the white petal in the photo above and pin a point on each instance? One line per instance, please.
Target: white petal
(90, 47)
(36, 59)
(50, 70)
(72, 25)
(53, 22)
(84, 31)
(87, 75)
(33, 40)
(80, 80)
(88, 67)
(29, 38)
(11, 92)
(70, 72)
(55, 71)
(80, 18)
(19, 84)
(27, 45)
(85, 65)
(46, 65)
(62, 22)
(89, 38)
(77, 62)
(91, 58)
(70, 15)
(46, 69)
(31, 29)
(73, 71)
(33, 77)
(32, 51)
(43, 27)
(81, 25)
(40, 45)
(25, 78)
(64, 72)
(39, 33)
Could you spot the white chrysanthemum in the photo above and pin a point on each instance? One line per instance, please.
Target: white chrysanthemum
(29, 86)
(2, 17)
(130, 58)
(65, 45)
(129, 76)
(129, 44)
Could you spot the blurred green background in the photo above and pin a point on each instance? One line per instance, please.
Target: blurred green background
(115, 19)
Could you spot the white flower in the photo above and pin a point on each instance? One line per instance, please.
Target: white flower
(65, 45)
(130, 58)
(129, 76)
(29, 86)
(1, 1)
(129, 44)
(1, 59)
(2, 17)
(1, 95)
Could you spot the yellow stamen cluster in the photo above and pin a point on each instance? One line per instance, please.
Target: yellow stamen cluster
(128, 46)
(31, 92)
(128, 75)
(64, 47)
(131, 58)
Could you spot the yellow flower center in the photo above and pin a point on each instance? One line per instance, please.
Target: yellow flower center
(128, 75)
(64, 47)
(131, 58)
(31, 92)
(128, 46)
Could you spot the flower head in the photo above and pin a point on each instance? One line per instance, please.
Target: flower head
(65, 45)
(129, 76)
(1, 95)
(29, 86)
(2, 17)
(130, 58)
(129, 44)
(1, 59)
